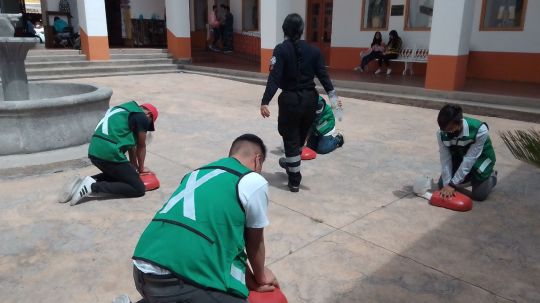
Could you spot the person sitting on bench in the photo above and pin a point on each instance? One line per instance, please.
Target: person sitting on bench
(392, 52)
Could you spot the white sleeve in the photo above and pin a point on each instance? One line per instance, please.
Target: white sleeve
(253, 193)
(446, 160)
(471, 156)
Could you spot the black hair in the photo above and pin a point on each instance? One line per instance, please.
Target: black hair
(56, 18)
(214, 7)
(375, 40)
(293, 27)
(393, 34)
(248, 138)
(449, 114)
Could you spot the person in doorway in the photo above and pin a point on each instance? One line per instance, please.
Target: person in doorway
(196, 246)
(59, 24)
(213, 25)
(466, 154)
(227, 29)
(62, 37)
(30, 31)
(293, 66)
(324, 138)
(122, 129)
(392, 52)
(375, 52)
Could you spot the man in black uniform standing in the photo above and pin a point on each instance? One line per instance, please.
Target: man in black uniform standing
(293, 66)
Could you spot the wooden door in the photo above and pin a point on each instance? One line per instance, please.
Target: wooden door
(114, 22)
(319, 25)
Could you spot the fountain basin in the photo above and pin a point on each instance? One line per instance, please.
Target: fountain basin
(57, 115)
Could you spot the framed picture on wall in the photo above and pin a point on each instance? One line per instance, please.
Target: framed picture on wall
(375, 14)
(418, 14)
(503, 15)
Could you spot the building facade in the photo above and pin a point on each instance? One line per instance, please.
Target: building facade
(481, 39)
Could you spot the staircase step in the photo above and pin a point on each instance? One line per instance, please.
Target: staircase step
(85, 64)
(140, 55)
(137, 50)
(54, 58)
(51, 72)
(108, 74)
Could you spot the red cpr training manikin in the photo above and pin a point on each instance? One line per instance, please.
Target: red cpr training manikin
(150, 181)
(308, 153)
(459, 202)
(275, 296)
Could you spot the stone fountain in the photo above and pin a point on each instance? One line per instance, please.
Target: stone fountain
(42, 116)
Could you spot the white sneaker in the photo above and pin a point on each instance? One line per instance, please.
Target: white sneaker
(378, 71)
(122, 299)
(68, 189)
(83, 190)
(388, 71)
(359, 69)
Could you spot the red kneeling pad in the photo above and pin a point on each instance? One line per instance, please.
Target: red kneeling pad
(308, 153)
(275, 296)
(150, 181)
(459, 202)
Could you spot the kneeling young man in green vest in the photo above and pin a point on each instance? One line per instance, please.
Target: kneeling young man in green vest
(324, 138)
(466, 154)
(122, 129)
(196, 247)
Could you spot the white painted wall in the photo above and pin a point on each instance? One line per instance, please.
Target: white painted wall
(92, 17)
(526, 41)
(178, 17)
(451, 27)
(346, 27)
(273, 12)
(147, 8)
(346, 30)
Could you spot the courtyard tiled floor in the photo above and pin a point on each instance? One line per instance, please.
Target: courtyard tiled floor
(354, 233)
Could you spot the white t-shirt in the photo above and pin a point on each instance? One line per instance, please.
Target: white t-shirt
(253, 193)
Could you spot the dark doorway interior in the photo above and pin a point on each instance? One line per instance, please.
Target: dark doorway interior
(114, 22)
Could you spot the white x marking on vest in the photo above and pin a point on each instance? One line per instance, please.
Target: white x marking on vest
(105, 121)
(188, 193)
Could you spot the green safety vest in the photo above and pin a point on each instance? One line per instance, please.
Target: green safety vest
(199, 233)
(113, 137)
(483, 167)
(325, 120)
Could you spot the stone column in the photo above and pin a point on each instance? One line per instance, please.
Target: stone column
(178, 28)
(93, 29)
(274, 12)
(449, 44)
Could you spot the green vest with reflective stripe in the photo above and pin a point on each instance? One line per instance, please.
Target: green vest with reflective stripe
(325, 120)
(483, 167)
(199, 233)
(113, 137)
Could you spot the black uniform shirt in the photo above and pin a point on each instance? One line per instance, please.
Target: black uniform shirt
(284, 70)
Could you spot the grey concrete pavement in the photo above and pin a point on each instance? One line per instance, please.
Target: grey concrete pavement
(353, 233)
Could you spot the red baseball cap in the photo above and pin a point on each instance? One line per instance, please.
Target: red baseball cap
(154, 112)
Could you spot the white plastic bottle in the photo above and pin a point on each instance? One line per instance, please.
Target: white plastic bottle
(336, 109)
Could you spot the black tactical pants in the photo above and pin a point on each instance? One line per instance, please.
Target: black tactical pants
(296, 116)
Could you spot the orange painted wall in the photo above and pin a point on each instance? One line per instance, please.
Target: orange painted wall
(179, 47)
(523, 67)
(266, 55)
(247, 45)
(349, 57)
(446, 72)
(95, 48)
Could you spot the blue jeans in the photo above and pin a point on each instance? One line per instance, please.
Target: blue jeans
(322, 144)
